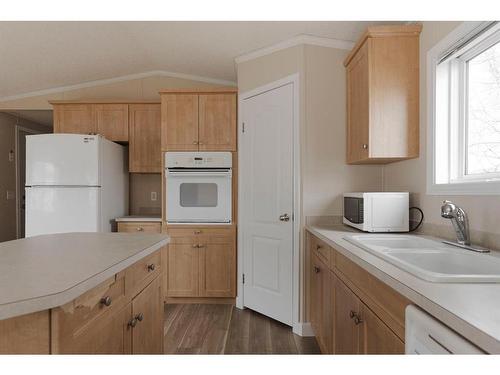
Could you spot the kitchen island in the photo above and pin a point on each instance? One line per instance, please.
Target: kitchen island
(82, 293)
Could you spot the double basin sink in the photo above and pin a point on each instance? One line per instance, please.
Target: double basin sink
(429, 259)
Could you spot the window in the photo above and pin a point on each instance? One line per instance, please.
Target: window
(465, 111)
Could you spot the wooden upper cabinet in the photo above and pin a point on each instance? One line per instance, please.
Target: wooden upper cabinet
(383, 95)
(107, 119)
(74, 118)
(112, 121)
(144, 139)
(199, 120)
(179, 123)
(217, 122)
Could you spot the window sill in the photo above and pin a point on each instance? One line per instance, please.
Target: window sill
(465, 188)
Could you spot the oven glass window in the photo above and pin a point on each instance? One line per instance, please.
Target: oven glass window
(198, 195)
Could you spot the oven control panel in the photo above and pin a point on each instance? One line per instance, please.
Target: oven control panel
(198, 160)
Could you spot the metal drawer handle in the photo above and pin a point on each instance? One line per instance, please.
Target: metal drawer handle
(352, 314)
(358, 320)
(200, 246)
(151, 267)
(140, 317)
(196, 246)
(316, 269)
(318, 247)
(197, 232)
(106, 301)
(140, 229)
(132, 322)
(365, 146)
(195, 142)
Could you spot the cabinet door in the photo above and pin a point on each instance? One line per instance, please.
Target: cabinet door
(358, 107)
(217, 131)
(179, 122)
(315, 293)
(112, 121)
(346, 330)
(109, 334)
(376, 337)
(217, 267)
(144, 134)
(147, 309)
(182, 273)
(74, 118)
(327, 308)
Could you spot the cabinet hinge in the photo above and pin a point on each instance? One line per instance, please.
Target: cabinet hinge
(243, 278)
(243, 127)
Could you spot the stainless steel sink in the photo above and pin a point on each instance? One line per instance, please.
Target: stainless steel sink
(430, 260)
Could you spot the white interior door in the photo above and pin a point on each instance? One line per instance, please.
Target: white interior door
(266, 196)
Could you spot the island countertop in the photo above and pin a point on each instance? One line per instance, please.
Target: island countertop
(47, 271)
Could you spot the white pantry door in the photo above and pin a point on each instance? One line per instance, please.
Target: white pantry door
(267, 202)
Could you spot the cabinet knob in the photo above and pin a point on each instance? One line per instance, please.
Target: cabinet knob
(132, 322)
(358, 320)
(200, 142)
(197, 232)
(318, 247)
(195, 142)
(352, 314)
(151, 267)
(200, 246)
(139, 229)
(365, 146)
(316, 269)
(106, 301)
(195, 246)
(139, 317)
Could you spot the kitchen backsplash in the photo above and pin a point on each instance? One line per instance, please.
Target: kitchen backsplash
(445, 230)
(141, 187)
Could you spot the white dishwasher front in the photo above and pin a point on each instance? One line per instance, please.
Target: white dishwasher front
(426, 335)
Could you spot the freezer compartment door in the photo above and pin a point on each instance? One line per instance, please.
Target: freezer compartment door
(62, 159)
(61, 210)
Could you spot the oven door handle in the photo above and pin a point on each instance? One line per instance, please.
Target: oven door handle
(199, 174)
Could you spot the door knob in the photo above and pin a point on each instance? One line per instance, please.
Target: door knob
(284, 217)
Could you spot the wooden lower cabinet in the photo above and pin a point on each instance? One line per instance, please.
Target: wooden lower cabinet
(201, 262)
(322, 284)
(147, 328)
(346, 330)
(122, 315)
(351, 312)
(182, 271)
(376, 337)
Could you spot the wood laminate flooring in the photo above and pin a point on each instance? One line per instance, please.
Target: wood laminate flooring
(224, 329)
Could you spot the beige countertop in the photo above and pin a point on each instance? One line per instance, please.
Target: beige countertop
(47, 271)
(471, 309)
(141, 218)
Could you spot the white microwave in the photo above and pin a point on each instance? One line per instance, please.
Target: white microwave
(377, 212)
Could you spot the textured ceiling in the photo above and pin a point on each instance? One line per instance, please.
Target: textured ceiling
(44, 55)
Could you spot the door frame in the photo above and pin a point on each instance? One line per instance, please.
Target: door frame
(293, 79)
(19, 128)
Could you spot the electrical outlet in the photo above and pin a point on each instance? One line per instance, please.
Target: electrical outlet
(154, 196)
(11, 155)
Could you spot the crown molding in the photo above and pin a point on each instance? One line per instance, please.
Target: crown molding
(128, 77)
(295, 41)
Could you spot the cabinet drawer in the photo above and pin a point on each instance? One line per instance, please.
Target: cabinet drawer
(195, 235)
(140, 274)
(89, 307)
(323, 251)
(139, 227)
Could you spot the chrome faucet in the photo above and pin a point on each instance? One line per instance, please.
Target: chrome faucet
(459, 220)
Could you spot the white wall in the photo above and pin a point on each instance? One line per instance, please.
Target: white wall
(411, 175)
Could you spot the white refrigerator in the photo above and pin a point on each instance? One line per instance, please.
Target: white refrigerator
(74, 183)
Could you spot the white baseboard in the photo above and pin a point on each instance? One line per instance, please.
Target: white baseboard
(303, 329)
(239, 303)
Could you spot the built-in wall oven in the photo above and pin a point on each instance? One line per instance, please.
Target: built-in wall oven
(198, 187)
